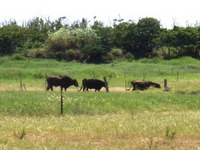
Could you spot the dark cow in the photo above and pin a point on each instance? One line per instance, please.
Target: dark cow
(92, 84)
(143, 85)
(62, 81)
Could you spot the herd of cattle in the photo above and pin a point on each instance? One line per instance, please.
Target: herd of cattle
(64, 82)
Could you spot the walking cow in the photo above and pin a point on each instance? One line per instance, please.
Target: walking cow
(92, 84)
(62, 81)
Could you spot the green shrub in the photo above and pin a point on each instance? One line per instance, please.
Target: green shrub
(59, 40)
(167, 53)
(18, 57)
(4, 59)
(116, 54)
(129, 56)
(94, 52)
(38, 53)
(72, 55)
(67, 38)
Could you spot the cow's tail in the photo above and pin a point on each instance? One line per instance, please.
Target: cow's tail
(46, 83)
(80, 88)
(83, 85)
(128, 88)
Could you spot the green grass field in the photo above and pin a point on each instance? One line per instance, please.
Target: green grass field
(141, 120)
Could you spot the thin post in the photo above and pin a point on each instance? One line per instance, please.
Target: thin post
(106, 84)
(61, 102)
(177, 75)
(144, 75)
(21, 86)
(94, 76)
(165, 83)
(45, 82)
(125, 85)
(24, 87)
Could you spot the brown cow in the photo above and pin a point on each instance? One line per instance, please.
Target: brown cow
(143, 85)
(62, 81)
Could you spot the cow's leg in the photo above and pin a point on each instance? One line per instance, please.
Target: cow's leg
(134, 87)
(51, 88)
(99, 89)
(61, 88)
(48, 87)
(83, 88)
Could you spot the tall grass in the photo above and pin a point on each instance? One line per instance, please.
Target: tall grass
(92, 103)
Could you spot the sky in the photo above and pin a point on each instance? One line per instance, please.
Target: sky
(168, 12)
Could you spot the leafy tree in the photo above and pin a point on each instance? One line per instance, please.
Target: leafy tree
(105, 34)
(183, 41)
(186, 40)
(94, 52)
(37, 29)
(166, 43)
(120, 32)
(80, 24)
(130, 38)
(142, 38)
(12, 38)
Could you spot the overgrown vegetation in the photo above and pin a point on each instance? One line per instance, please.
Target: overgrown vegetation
(85, 42)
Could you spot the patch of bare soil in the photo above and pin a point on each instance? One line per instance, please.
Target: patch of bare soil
(71, 89)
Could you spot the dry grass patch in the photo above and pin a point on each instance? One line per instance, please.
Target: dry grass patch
(136, 130)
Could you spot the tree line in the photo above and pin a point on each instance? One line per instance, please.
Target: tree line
(92, 41)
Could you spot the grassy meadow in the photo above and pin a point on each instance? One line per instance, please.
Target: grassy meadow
(141, 120)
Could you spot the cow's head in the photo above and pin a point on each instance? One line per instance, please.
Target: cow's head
(157, 85)
(75, 82)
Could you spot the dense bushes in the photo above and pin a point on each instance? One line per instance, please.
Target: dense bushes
(97, 43)
(12, 38)
(66, 38)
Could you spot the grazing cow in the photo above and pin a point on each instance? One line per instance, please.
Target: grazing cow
(144, 85)
(62, 81)
(92, 84)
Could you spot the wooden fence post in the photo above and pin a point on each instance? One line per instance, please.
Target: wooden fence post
(165, 83)
(21, 86)
(61, 102)
(45, 82)
(125, 85)
(177, 75)
(106, 84)
(24, 87)
(166, 88)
